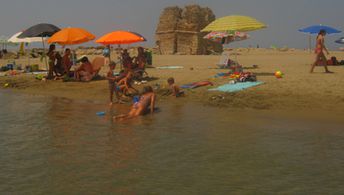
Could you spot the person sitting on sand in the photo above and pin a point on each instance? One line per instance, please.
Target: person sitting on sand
(145, 104)
(66, 61)
(85, 71)
(125, 84)
(174, 88)
(113, 87)
(140, 59)
(127, 60)
(58, 66)
(319, 51)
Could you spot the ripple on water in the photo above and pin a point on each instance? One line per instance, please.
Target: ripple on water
(58, 145)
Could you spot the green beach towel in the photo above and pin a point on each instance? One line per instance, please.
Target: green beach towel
(236, 87)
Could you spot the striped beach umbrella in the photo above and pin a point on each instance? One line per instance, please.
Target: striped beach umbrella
(234, 23)
(226, 37)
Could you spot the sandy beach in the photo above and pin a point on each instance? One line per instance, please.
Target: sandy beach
(297, 90)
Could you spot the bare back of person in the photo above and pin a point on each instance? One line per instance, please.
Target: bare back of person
(146, 101)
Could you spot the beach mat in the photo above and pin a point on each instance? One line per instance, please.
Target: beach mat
(38, 72)
(236, 87)
(170, 67)
(196, 84)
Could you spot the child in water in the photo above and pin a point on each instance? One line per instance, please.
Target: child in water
(146, 103)
(113, 87)
(125, 84)
(174, 88)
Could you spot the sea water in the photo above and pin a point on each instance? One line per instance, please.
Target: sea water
(60, 146)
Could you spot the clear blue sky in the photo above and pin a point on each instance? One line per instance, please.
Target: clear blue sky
(283, 17)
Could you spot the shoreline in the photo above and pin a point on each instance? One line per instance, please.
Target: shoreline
(297, 91)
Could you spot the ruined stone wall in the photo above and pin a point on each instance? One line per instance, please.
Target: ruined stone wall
(178, 31)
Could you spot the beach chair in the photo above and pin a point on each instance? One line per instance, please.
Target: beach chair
(223, 63)
(97, 63)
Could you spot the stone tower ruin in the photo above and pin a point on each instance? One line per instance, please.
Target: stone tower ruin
(178, 31)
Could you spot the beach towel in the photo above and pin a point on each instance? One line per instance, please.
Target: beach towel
(236, 87)
(169, 67)
(196, 84)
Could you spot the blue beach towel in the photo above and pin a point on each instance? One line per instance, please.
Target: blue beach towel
(236, 87)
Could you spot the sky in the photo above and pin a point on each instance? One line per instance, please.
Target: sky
(283, 17)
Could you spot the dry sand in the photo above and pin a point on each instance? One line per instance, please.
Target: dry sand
(298, 90)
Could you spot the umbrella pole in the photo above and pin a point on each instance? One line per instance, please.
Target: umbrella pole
(44, 55)
(121, 61)
(28, 54)
(310, 43)
(73, 56)
(110, 50)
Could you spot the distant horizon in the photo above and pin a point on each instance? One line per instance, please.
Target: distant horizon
(103, 16)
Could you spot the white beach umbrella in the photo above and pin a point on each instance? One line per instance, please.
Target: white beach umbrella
(14, 39)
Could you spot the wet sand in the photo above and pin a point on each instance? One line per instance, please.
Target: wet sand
(298, 90)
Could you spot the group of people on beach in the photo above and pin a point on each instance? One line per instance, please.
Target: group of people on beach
(133, 68)
(122, 85)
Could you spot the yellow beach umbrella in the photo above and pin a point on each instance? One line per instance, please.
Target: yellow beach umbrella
(234, 23)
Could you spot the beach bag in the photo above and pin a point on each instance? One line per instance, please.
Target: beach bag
(329, 62)
(334, 60)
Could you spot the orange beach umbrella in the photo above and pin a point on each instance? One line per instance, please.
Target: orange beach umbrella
(120, 37)
(71, 36)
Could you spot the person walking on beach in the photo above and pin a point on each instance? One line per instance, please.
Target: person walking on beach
(320, 58)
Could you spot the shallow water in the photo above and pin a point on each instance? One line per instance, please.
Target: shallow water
(50, 145)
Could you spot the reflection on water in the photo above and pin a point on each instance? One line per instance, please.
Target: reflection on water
(57, 145)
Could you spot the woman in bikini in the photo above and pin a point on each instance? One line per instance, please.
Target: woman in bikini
(144, 105)
(319, 51)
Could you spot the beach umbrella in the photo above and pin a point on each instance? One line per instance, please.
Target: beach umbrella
(71, 36)
(226, 37)
(234, 23)
(40, 30)
(4, 42)
(315, 29)
(120, 37)
(14, 39)
(340, 41)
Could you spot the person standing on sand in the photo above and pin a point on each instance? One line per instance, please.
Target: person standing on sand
(66, 61)
(52, 58)
(113, 88)
(319, 52)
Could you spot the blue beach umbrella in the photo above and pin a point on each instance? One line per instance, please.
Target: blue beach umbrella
(315, 29)
(340, 41)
